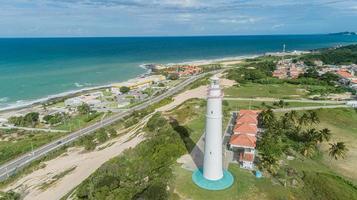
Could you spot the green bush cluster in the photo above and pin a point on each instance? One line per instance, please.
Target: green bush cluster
(30, 119)
(11, 195)
(90, 142)
(140, 173)
(55, 118)
(342, 55)
(293, 131)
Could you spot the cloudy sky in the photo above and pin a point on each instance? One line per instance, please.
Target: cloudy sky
(48, 18)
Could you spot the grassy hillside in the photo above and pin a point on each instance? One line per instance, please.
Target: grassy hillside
(343, 124)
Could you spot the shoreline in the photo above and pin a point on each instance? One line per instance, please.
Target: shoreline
(23, 104)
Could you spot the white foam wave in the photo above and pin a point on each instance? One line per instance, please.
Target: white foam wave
(4, 99)
(78, 84)
(25, 103)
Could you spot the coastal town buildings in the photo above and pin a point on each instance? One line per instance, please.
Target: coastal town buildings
(184, 70)
(244, 137)
(92, 99)
(288, 69)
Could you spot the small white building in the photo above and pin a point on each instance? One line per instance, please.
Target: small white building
(352, 104)
(73, 102)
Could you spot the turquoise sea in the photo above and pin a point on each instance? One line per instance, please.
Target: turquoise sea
(36, 68)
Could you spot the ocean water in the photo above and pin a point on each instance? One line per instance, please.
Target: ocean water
(31, 69)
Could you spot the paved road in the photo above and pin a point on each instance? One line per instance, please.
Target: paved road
(11, 166)
(285, 100)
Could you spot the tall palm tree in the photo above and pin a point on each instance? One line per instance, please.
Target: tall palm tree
(311, 136)
(314, 118)
(267, 117)
(338, 150)
(304, 120)
(293, 116)
(325, 134)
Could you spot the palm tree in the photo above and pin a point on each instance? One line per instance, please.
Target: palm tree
(267, 117)
(304, 120)
(314, 118)
(325, 134)
(338, 150)
(311, 136)
(293, 116)
(308, 149)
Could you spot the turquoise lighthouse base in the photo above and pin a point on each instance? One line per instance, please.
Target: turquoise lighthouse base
(225, 182)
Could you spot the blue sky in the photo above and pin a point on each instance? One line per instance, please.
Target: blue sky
(47, 18)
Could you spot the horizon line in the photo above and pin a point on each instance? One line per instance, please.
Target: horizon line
(168, 36)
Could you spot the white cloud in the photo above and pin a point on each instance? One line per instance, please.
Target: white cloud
(277, 26)
(239, 20)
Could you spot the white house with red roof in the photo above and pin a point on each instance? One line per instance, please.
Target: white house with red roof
(244, 138)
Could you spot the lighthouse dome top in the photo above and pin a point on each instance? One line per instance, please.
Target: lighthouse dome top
(214, 82)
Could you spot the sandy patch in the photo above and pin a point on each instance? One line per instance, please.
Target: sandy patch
(231, 62)
(85, 163)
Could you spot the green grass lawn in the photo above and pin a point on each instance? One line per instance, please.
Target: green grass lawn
(243, 187)
(191, 115)
(317, 182)
(343, 124)
(23, 144)
(251, 90)
(79, 121)
(255, 105)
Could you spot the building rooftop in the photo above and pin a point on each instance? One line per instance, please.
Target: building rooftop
(344, 73)
(243, 140)
(249, 112)
(245, 129)
(248, 119)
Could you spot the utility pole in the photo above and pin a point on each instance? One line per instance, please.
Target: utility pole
(32, 149)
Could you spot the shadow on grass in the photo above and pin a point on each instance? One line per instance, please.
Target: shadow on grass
(193, 149)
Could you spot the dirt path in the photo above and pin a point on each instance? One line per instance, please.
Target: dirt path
(200, 92)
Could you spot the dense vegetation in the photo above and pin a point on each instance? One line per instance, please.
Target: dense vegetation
(342, 55)
(296, 134)
(56, 118)
(124, 89)
(16, 142)
(252, 71)
(291, 132)
(140, 173)
(30, 119)
(9, 196)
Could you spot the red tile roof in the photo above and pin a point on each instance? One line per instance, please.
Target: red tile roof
(249, 112)
(247, 119)
(243, 140)
(246, 157)
(245, 129)
(354, 81)
(344, 73)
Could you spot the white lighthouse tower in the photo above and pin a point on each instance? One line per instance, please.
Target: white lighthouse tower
(212, 176)
(212, 163)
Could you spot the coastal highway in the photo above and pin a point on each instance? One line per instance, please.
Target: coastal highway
(12, 166)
